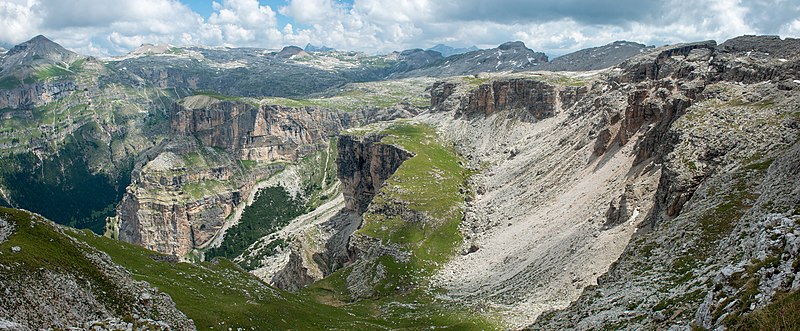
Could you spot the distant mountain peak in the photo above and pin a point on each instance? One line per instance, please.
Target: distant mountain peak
(446, 50)
(40, 38)
(40, 45)
(36, 51)
(595, 58)
(145, 49)
(291, 51)
(513, 45)
(311, 48)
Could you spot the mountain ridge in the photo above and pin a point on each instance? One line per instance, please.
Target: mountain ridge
(653, 188)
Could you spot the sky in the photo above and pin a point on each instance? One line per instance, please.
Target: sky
(105, 27)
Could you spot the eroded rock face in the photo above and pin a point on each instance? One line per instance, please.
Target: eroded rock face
(539, 99)
(182, 193)
(364, 165)
(174, 206)
(30, 95)
(258, 133)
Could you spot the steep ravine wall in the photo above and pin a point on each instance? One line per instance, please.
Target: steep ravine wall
(160, 211)
(719, 243)
(185, 191)
(27, 96)
(178, 203)
(364, 164)
(319, 243)
(251, 132)
(540, 99)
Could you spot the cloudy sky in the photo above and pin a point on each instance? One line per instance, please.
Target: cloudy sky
(104, 27)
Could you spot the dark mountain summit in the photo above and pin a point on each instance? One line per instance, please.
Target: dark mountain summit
(596, 57)
(22, 60)
(290, 51)
(449, 51)
(510, 56)
(412, 59)
(39, 50)
(312, 48)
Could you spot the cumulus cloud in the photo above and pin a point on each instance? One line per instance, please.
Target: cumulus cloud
(101, 27)
(18, 20)
(242, 23)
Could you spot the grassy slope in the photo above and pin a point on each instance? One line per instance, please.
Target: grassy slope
(215, 295)
(431, 182)
(44, 248)
(782, 314)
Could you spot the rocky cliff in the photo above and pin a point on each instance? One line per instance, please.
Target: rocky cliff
(319, 243)
(251, 132)
(539, 98)
(27, 96)
(180, 200)
(364, 165)
(189, 191)
(718, 244)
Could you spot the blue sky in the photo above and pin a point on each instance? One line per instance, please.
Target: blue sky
(103, 27)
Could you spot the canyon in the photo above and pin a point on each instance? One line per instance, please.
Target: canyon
(655, 190)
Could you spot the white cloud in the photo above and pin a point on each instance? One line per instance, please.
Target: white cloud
(243, 23)
(106, 27)
(311, 11)
(791, 28)
(18, 19)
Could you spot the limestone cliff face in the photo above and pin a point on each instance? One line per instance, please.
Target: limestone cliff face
(258, 132)
(720, 122)
(364, 164)
(28, 96)
(666, 83)
(539, 99)
(176, 204)
(184, 193)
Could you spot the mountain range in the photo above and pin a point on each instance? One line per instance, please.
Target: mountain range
(618, 187)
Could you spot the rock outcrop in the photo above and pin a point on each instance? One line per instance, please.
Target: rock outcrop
(250, 132)
(535, 99)
(717, 244)
(179, 200)
(27, 96)
(364, 164)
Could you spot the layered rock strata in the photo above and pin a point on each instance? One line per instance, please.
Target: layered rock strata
(364, 164)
